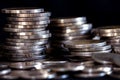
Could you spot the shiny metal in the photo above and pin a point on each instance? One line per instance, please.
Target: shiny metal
(23, 30)
(89, 54)
(84, 43)
(22, 65)
(65, 67)
(25, 26)
(23, 10)
(26, 41)
(110, 34)
(31, 23)
(28, 19)
(103, 58)
(4, 69)
(68, 20)
(90, 75)
(31, 37)
(29, 33)
(67, 24)
(109, 29)
(42, 14)
(23, 47)
(81, 27)
(92, 49)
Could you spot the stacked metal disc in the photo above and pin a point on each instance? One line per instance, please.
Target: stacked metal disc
(86, 48)
(27, 36)
(111, 35)
(66, 29)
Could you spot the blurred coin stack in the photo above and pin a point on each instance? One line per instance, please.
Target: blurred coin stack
(86, 48)
(66, 29)
(26, 31)
(111, 35)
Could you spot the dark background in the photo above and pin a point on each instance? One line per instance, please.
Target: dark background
(98, 12)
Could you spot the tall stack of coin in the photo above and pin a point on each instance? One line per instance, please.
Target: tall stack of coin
(27, 36)
(66, 29)
(111, 35)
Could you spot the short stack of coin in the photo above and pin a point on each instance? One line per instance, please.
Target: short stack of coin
(66, 29)
(26, 31)
(85, 48)
(111, 35)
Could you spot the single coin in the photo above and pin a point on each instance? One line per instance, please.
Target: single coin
(23, 10)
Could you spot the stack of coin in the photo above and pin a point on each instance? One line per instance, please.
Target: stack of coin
(85, 48)
(111, 35)
(66, 29)
(26, 31)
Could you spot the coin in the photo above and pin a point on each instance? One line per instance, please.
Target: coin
(106, 47)
(103, 58)
(90, 75)
(25, 26)
(31, 37)
(23, 10)
(109, 29)
(23, 30)
(28, 19)
(31, 14)
(43, 32)
(22, 65)
(84, 43)
(89, 54)
(68, 20)
(31, 23)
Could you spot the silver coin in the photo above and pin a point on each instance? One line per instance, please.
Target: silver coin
(23, 47)
(31, 23)
(41, 74)
(90, 75)
(4, 69)
(31, 37)
(82, 27)
(84, 43)
(67, 24)
(23, 10)
(28, 19)
(103, 48)
(25, 26)
(89, 54)
(23, 30)
(104, 58)
(22, 65)
(27, 41)
(110, 34)
(42, 14)
(69, 20)
(29, 33)
(76, 32)
(109, 29)
(81, 37)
